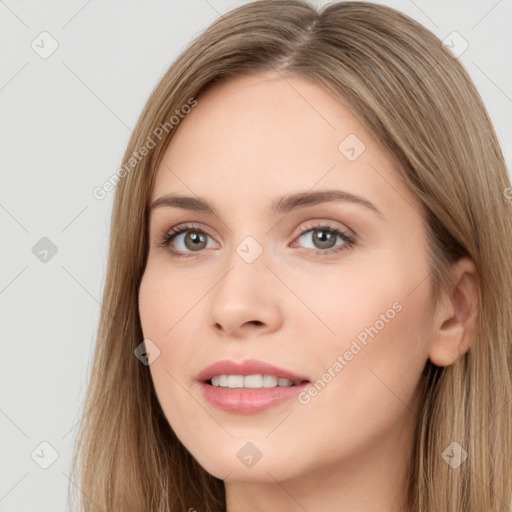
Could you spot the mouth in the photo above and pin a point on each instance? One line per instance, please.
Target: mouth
(250, 386)
(255, 381)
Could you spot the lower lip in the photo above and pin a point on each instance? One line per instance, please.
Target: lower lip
(249, 401)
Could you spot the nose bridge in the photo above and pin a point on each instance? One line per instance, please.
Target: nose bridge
(250, 250)
(246, 267)
(243, 294)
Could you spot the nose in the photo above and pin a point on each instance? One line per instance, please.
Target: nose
(245, 301)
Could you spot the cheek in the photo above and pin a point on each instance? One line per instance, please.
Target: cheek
(367, 331)
(164, 300)
(152, 301)
(369, 368)
(168, 309)
(358, 300)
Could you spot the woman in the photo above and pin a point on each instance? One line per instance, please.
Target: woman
(309, 290)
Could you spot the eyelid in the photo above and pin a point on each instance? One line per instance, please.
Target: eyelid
(302, 228)
(319, 223)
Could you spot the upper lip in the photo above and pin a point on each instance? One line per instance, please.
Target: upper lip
(246, 367)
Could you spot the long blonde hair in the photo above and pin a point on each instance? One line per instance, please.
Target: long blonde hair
(418, 101)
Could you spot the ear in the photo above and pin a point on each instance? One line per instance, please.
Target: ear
(455, 320)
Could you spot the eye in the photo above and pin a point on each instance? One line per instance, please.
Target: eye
(323, 237)
(194, 239)
(185, 239)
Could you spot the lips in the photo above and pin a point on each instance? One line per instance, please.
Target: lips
(243, 400)
(247, 367)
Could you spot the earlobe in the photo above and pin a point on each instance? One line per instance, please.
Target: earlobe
(456, 318)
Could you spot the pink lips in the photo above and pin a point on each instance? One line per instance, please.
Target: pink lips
(243, 400)
(247, 367)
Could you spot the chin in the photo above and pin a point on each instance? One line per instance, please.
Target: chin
(245, 461)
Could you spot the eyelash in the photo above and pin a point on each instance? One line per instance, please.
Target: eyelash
(348, 240)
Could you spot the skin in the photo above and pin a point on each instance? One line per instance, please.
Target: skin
(248, 142)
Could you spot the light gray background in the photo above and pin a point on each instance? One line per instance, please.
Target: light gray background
(65, 122)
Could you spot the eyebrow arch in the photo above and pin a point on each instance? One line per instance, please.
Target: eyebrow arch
(282, 205)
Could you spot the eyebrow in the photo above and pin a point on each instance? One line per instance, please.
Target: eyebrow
(282, 205)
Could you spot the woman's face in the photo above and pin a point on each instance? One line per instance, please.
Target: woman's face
(268, 279)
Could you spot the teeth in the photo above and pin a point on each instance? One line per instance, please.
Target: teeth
(269, 381)
(235, 381)
(252, 381)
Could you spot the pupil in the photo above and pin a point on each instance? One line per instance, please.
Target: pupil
(195, 237)
(325, 239)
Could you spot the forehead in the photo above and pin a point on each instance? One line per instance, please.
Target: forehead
(263, 135)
